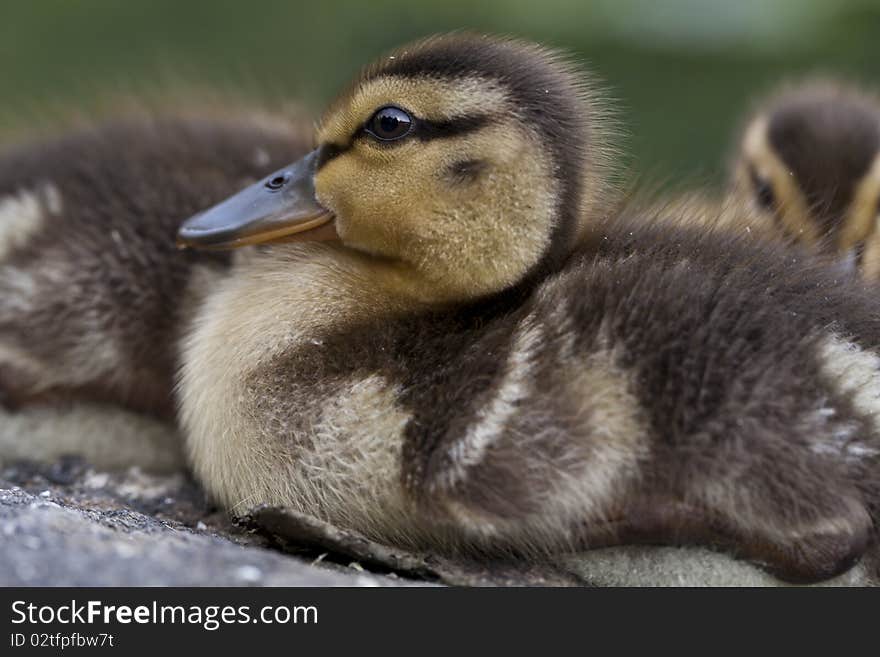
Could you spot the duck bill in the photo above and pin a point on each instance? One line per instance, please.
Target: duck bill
(279, 208)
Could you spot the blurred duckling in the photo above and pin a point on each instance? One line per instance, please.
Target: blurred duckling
(475, 357)
(93, 293)
(809, 164)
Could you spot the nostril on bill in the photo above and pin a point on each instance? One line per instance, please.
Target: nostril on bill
(278, 181)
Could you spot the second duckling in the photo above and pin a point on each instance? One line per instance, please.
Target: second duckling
(808, 163)
(93, 293)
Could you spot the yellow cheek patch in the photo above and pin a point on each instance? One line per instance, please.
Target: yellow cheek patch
(427, 98)
(871, 255)
(792, 206)
(464, 238)
(862, 217)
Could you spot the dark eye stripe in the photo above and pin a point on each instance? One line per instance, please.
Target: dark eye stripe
(427, 130)
(328, 152)
(424, 130)
(460, 125)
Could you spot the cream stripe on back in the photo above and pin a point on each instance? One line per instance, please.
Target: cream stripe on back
(492, 419)
(22, 215)
(855, 373)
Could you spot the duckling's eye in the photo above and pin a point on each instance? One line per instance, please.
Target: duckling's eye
(389, 123)
(763, 190)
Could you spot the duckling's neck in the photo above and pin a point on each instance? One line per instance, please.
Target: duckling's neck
(273, 302)
(356, 282)
(288, 293)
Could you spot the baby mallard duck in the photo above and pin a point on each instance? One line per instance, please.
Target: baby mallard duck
(93, 293)
(460, 369)
(809, 162)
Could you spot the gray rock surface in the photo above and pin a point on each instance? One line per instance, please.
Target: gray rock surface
(68, 525)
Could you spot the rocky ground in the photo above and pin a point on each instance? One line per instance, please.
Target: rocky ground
(66, 524)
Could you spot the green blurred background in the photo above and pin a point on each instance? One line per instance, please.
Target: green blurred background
(683, 71)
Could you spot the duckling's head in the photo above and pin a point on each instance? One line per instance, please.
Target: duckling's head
(809, 161)
(468, 161)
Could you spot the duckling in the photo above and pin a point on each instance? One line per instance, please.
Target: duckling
(474, 357)
(809, 163)
(93, 293)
